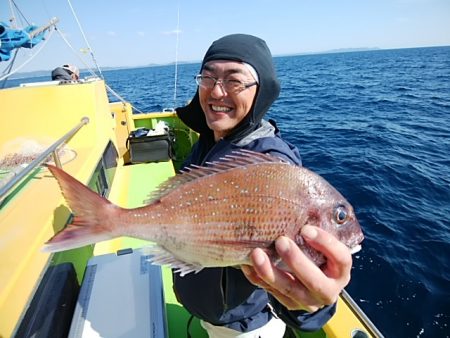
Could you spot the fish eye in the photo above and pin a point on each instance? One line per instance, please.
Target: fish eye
(340, 215)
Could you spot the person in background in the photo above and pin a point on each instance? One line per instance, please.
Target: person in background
(66, 73)
(237, 85)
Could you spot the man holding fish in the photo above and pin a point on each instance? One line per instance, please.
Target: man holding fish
(258, 242)
(237, 84)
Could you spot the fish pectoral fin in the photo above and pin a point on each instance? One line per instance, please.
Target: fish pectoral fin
(160, 256)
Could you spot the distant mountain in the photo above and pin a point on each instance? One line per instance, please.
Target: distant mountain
(36, 73)
(339, 50)
(39, 73)
(347, 50)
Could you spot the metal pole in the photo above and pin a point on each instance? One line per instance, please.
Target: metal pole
(39, 30)
(8, 186)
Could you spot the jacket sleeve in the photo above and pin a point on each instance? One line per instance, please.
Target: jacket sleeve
(303, 320)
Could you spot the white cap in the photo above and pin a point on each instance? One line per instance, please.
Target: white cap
(72, 69)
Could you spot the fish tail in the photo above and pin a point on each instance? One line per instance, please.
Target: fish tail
(93, 219)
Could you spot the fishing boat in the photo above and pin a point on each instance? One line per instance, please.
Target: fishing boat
(108, 289)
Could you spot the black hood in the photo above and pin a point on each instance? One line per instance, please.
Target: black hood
(241, 48)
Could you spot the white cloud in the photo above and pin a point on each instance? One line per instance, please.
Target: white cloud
(141, 33)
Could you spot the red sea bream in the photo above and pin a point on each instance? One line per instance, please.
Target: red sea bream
(216, 215)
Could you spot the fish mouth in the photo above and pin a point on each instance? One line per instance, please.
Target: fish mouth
(355, 243)
(355, 249)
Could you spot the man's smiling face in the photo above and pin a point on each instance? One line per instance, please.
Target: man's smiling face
(225, 110)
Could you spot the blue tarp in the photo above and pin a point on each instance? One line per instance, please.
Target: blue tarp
(17, 38)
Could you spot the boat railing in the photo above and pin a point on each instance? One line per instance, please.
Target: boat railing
(52, 150)
(362, 317)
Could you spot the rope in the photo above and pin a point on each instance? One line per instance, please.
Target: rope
(121, 98)
(9, 67)
(188, 326)
(85, 39)
(176, 59)
(12, 20)
(20, 12)
(89, 69)
(29, 60)
(93, 58)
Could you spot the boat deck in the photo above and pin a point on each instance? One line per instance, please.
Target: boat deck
(132, 185)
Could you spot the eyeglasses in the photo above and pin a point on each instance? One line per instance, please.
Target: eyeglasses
(229, 85)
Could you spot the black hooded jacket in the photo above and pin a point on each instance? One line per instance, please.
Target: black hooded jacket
(224, 296)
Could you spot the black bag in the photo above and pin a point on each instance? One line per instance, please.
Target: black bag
(155, 148)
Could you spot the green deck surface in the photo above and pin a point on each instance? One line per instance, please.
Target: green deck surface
(137, 182)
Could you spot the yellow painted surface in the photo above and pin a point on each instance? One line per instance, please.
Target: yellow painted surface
(38, 116)
(344, 322)
(153, 115)
(43, 114)
(26, 223)
(123, 124)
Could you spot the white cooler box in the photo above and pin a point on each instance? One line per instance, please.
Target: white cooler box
(121, 296)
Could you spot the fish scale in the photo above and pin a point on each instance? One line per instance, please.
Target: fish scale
(215, 216)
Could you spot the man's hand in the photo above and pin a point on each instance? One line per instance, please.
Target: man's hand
(306, 287)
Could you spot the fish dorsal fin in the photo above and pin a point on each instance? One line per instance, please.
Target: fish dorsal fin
(236, 159)
(159, 256)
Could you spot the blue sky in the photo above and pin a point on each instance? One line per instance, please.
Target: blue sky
(141, 32)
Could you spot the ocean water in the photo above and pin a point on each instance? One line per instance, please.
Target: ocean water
(376, 125)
